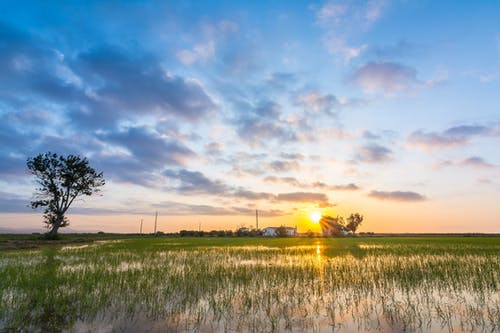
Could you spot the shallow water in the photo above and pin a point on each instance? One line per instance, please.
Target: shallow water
(321, 286)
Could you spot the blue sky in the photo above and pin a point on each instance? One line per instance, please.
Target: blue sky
(206, 111)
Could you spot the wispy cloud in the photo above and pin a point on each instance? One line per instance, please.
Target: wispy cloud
(373, 153)
(242, 193)
(340, 13)
(214, 148)
(257, 123)
(284, 180)
(405, 196)
(470, 162)
(320, 198)
(317, 102)
(178, 208)
(431, 140)
(343, 187)
(284, 166)
(476, 162)
(281, 80)
(205, 49)
(292, 156)
(135, 84)
(200, 53)
(451, 137)
(149, 147)
(337, 46)
(292, 181)
(13, 203)
(340, 18)
(195, 182)
(390, 78)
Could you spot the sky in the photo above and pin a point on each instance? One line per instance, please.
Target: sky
(208, 110)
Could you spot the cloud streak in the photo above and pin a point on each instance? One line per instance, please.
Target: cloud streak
(300, 197)
(180, 209)
(452, 137)
(470, 162)
(373, 153)
(399, 196)
(292, 181)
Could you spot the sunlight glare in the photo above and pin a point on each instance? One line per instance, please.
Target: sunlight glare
(315, 217)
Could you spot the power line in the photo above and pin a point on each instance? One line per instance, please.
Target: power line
(156, 220)
(257, 219)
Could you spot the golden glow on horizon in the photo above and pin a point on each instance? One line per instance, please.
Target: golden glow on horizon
(315, 216)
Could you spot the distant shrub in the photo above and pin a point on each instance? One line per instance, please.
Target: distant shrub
(49, 236)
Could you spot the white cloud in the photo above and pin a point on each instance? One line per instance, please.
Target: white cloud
(317, 102)
(331, 12)
(350, 13)
(337, 46)
(387, 77)
(200, 53)
(341, 19)
(211, 34)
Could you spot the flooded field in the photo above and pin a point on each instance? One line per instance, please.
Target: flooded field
(254, 285)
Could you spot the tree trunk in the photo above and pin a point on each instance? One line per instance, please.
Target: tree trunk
(56, 225)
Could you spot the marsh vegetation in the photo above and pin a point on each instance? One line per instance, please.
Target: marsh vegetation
(254, 285)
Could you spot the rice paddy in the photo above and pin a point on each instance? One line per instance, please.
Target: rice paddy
(434, 284)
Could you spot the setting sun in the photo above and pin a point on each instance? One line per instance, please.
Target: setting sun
(315, 217)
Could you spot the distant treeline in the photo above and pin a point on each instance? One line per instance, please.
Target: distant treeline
(258, 233)
(220, 233)
(10, 237)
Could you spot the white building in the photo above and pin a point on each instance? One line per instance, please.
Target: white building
(272, 231)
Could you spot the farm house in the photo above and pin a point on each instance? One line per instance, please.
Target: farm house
(273, 231)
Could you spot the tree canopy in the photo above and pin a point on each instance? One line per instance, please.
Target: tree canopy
(353, 222)
(337, 226)
(61, 180)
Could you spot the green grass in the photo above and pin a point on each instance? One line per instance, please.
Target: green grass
(254, 284)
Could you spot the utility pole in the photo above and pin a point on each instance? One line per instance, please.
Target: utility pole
(199, 226)
(141, 227)
(156, 221)
(257, 219)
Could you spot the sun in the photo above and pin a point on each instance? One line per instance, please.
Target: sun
(315, 216)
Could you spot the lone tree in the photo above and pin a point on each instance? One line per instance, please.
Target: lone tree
(353, 222)
(333, 226)
(61, 179)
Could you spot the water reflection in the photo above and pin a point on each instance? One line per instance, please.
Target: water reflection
(46, 308)
(320, 287)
